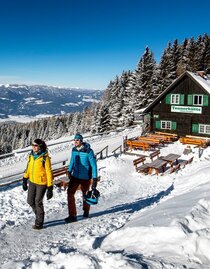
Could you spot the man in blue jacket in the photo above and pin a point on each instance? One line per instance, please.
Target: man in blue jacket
(81, 170)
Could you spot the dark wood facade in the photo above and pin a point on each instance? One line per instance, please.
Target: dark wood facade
(183, 108)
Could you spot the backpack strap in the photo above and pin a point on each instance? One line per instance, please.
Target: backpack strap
(29, 157)
(44, 160)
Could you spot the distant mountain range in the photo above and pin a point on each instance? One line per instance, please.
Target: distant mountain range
(23, 100)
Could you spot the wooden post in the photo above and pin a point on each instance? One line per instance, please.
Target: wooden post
(125, 147)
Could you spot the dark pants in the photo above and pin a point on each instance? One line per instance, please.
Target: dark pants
(73, 185)
(35, 200)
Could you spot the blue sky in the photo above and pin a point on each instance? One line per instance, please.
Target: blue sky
(86, 43)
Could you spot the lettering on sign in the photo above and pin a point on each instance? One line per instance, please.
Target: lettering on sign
(187, 109)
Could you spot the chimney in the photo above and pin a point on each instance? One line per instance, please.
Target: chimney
(202, 74)
(208, 72)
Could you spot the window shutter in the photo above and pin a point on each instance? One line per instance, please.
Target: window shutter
(157, 124)
(205, 100)
(182, 99)
(168, 99)
(190, 100)
(173, 125)
(195, 128)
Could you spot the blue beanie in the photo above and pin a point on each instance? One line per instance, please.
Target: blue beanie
(79, 137)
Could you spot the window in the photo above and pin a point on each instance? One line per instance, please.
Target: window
(166, 125)
(204, 129)
(175, 99)
(198, 100)
(163, 124)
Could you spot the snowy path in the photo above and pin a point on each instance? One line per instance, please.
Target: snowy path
(119, 201)
(131, 227)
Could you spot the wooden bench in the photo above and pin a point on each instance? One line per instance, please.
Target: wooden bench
(199, 137)
(164, 138)
(172, 137)
(144, 166)
(183, 164)
(155, 140)
(61, 182)
(194, 141)
(154, 154)
(138, 144)
(60, 171)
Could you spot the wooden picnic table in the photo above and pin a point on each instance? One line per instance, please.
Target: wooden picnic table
(164, 133)
(164, 138)
(138, 144)
(148, 140)
(194, 141)
(170, 158)
(157, 164)
(151, 139)
(171, 136)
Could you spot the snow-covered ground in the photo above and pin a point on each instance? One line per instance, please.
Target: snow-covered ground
(141, 221)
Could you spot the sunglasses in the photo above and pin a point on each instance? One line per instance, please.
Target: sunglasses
(35, 145)
(77, 140)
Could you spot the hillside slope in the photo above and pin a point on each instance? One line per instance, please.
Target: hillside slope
(35, 100)
(140, 221)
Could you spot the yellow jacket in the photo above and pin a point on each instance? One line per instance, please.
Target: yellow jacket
(39, 170)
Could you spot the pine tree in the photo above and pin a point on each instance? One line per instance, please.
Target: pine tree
(128, 81)
(191, 61)
(199, 55)
(175, 59)
(206, 52)
(182, 64)
(164, 75)
(115, 103)
(145, 79)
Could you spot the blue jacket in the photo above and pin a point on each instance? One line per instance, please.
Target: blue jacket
(83, 163)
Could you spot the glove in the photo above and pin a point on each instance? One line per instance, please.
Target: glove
(69, 175)
(94, 184)
(25, 185)
(49, 192)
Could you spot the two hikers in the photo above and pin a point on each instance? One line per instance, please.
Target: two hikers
(38, 178)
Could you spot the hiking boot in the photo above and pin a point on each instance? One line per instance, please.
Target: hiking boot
(86, 214)
(37, 227)
(70, 219)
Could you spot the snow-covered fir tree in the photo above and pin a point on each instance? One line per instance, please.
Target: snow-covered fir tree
(144, 79)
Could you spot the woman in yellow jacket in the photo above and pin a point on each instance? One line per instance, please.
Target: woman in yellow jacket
(39, 174)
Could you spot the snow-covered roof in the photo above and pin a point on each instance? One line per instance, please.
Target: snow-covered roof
(203, 81)
(139, 110)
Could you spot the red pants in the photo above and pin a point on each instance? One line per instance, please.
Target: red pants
(73, 185)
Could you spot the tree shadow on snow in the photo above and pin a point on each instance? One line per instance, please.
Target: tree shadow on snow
(136, 205)
(126, 208)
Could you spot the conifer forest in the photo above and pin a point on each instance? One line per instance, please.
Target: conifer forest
(126, 93)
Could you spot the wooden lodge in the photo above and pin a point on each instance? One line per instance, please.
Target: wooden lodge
(184, 107)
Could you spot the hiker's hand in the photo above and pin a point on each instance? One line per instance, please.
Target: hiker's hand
(49, 192)
(94, 184)
(69, 175)
(24, 184)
